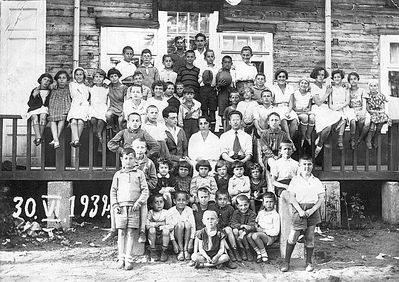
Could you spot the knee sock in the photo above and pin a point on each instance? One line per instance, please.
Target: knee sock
(309, 254)
(263, 252)
(288, 251)
(257, 250)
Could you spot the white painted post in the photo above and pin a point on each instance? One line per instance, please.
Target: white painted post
(390, 202)
(60, 192)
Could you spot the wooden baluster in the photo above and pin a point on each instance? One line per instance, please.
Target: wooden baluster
(355, 158)
(28, 144)
(390, 148)
(91, 148)
(1, 140)
(104, 150)
(367, 160)
(327, 157)
(14, 143)
(395, 151)
(118, 163)
(77, 152)
(43, 156)
(60, 155)
(379, 153)
(342, 160)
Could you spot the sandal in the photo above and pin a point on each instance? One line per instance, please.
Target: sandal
(52, 143)
(187, 255)
(37, 141)
(199, 264)
(340, 146)
(265, 258)
(259, 258)
(180, 256)
(56, 145)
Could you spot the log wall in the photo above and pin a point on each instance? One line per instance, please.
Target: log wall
(298, 41)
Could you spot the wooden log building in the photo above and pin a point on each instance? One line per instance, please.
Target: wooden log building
(39, 36)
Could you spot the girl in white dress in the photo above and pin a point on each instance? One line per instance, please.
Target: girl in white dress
(98, 103)
(325, 118)
(79, 111)
(301, 103)
(282, 93)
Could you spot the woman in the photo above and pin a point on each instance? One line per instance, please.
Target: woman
(282, 92)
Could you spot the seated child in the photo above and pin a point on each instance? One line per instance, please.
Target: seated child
(211, 243)
(263, 111)
(243, 224)
(234, 98)
(167, 74)
(222, 176)
(183, 178)
(258, 186)
(166, 184)
(239, 184)
(150, 73)
(158, 230)
(259, 87)
(225, 212)
(125, 137)
(202, 180)
(98, 104)
(284, 169)
(248, 107)
(204, 204)
(182, 219)
(138, 78)
(189, 112)
(171, 97)
(116, 96)
(129, 191)
(158, 100)
(267, 228)
(135, 103)
(306, 196)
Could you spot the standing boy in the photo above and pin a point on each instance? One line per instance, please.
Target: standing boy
(129, 191)
(306, 195)
(200, 42)
(188, 74)
(127, 66)
(149, 72)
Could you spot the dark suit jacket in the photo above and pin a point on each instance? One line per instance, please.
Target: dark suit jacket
(178, 150)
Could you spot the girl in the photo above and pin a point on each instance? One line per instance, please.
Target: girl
(167, 74)
(184, 175)
(116, 96)
(222, 177)
(239, 184)
(282, 92)
(340, 102)
(376, 108)
(324, 116)
(38, 106)
(301, 101)
(59, 105)
(79, 111)
(258, 185)
(248, 108)
(98, 103)
(203, 180)
(166, 184)
(158, 99)
(358, 104)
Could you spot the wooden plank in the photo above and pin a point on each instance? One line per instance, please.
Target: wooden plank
(28, 144)
(91, 149)
(367, 160)
(14, 143)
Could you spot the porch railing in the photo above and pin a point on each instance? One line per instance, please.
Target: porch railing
(87, 163)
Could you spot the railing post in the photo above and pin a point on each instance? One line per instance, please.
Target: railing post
(91, 147)
(14, 143)
(60, 154)
(28, 144)
(327, 157)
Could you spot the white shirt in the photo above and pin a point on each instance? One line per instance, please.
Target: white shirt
(306, 190)
(129, 107)
(208, 149)
(244, 72)
(174, 217)
(174, 132)
(126, 68)
(199, 61)
(284, 169)
(157, 131)
(248, 109)
(279, 96)
(167, 75)
(269, 221)
(227, 142)
(160, 104)
(302, 101)
(214, 69)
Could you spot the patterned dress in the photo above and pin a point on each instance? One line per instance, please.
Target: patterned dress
(376, 103)
(59, 104)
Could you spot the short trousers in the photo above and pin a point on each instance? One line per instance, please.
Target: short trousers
(302, 223)
(127, 218)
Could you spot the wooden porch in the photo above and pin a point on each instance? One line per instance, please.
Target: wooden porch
(86, 163)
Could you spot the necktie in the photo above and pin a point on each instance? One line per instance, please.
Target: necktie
(236, 145)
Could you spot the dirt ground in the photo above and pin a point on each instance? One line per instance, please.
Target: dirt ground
(79, 255)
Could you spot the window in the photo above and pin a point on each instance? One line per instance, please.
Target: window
(389, 58)
(113, 39)
(262, 48)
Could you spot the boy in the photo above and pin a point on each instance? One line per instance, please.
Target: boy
(267, 228)
(182, 219)
(204, 204)
(284, 169)
(179, 89)
(134, 103)
(133, 131)
(209, 58)
(157, 228)
(176, 140)
(245, 71)
(263, 111)
(243, 224)
(224, 88)
(116, 96)
(225, 212)
(129, 191)
(199, 52)
(248, 108)
(138, 78)
(234, 100)
(189, 112)
(150, 73)
(208, 98)
(178, 56)
(127, 66)
(306, 195)
(158, 100)
(211, 243)
(188, 74)
(166, 183)
(167, 74)
(259, 87)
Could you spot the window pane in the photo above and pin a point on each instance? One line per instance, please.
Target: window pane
(394, 53)
(194, 23)
(182, 25)
(204, 23)
(241, 42)
(394, 83)
(228, 43)
(172, 27)
(258, 44)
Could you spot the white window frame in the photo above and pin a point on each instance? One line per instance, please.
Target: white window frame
(267, 54)
(385, 64)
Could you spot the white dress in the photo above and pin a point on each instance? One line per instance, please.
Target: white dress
(98, 98)
(338, 98)
(281, 100)
(80, 101)
(324, 116)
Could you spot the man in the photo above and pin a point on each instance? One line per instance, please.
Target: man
(178, 56)
(235, 143)
(204, 145)
(200, 42)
